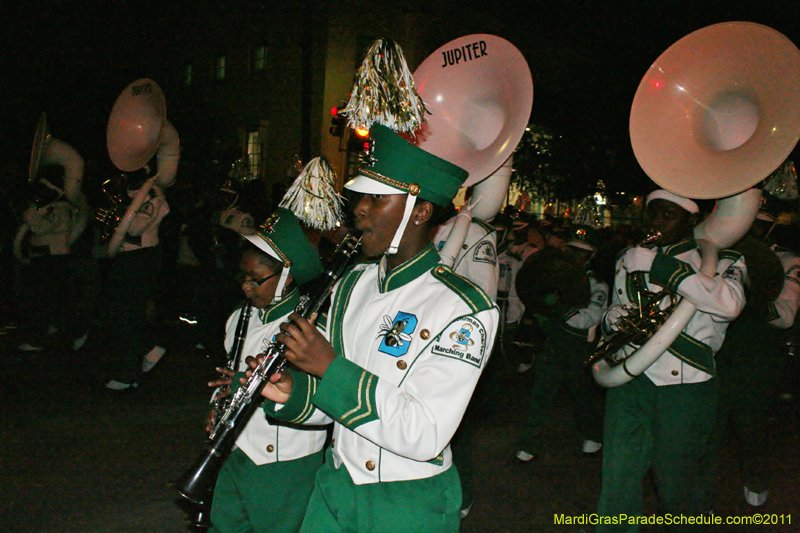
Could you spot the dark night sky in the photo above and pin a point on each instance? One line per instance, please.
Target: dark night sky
(72, 58)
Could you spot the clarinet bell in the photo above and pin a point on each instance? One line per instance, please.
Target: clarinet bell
(202, 517)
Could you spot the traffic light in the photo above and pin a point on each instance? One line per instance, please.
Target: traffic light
(337, 122)
(359, 140)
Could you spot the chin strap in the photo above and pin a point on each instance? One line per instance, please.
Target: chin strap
(281, 285)
(411, 200)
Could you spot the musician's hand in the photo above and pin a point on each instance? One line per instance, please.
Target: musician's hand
(306, 347)
(280, 384)
(638, 259)
(209, 421)
(614, 315)
(223, 381)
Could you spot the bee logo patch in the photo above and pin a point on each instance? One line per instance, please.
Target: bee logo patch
(464, 339)
(396, 334)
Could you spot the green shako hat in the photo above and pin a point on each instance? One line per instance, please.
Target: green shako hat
(396, 166)
(583, 237)
(385, 100)
(281, 237)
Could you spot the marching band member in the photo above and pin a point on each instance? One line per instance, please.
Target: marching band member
(396, 363)
(136, 263)
(663, 419)
(570, 334)
(751, 359)
(523, 240)
(477, 259)
(270, 458)
(51, 225)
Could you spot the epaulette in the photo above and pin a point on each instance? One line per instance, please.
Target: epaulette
(469, 292)
(728, 253)
(622, 252)
(488, 228)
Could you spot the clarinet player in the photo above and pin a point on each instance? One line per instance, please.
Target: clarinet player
(269, 458)
(405, 342)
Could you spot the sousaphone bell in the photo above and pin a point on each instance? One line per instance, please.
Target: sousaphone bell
(479, 90)
(138, 129)
(47, 150)
(714, 115)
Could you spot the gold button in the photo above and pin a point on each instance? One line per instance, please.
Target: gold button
(424, 334)
(440, 270)
(370, 466)
(674, 372)
(270, 448)
(414, 189)
(402, 365)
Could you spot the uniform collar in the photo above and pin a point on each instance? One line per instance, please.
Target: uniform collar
(680, 247)
(408, 271)
(280, 309)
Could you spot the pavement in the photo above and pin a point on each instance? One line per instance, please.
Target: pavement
(78, 459)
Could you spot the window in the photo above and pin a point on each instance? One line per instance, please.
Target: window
(254, 153)
(219, 68)
(187, 75)
(260, 58)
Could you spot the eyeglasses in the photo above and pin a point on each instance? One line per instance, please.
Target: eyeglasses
(253, 284)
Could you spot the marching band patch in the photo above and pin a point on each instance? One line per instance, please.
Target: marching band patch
(397, 333)
(464, 339)
(485, 253)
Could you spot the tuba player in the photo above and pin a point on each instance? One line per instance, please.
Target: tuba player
(663, 418)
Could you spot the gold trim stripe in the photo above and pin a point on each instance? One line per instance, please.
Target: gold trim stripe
(286, 262)
(384, 179)
(309, 406)
(360, 392)
(368, 412)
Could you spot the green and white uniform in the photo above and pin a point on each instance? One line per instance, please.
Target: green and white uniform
(664, 418)
(477, 259)
(265, 484)
(410, 346)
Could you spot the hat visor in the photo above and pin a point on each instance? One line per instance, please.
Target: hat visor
(262, 245)
(582, 246)
(366, 185)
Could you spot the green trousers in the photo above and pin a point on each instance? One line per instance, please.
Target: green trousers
(664, 428)
(337, 505)
(270, 498)
(561, 362)
(749, 368)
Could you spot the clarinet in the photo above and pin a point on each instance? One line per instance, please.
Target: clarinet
(197, 483)
(201, 516)
(221, 402)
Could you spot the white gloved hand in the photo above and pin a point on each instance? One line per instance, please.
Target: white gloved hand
(613, 317)
(638, 259)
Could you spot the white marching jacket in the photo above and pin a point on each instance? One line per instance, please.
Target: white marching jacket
(410, 348)
(477, 260)
(264, 441)
(690, 359)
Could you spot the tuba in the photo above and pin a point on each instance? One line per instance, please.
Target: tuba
(716, 113)
(47, 150)
(479, 90)
(137, 130)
